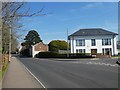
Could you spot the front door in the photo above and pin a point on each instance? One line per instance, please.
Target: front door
(93, 51)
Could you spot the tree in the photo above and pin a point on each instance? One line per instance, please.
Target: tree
(31, 38)
(56, 45)
(12, 12)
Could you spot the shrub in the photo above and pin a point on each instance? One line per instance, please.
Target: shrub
(56, 45)
(25, 52)
(47, 54)
(57, 55)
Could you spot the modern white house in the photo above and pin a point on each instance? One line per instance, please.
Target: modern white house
(93, 41)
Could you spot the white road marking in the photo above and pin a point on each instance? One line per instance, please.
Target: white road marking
(33, 75)
(96, 63)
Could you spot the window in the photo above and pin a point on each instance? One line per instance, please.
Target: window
(80, 50)
(93, 42)
(106, 41)
(80, 42)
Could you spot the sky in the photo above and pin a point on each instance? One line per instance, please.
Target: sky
(71, 16)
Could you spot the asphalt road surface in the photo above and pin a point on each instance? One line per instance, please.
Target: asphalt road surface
(57, 73)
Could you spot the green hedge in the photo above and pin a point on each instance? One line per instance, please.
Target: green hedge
(57, 55)
(25, 52)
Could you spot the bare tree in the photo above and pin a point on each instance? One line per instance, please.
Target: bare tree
(11, 14)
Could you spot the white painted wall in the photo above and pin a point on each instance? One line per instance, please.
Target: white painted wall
(34, 52)
(98, 46)
(115, 45)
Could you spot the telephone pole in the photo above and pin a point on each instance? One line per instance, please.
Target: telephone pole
(67, 45)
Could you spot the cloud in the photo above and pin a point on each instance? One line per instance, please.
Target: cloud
(93, 5)
(87, 6)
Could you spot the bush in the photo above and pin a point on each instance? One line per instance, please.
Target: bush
(57, 55)
(47, 54)
(56, 45)
(26, 53)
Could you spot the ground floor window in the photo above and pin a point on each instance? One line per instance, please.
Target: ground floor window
(80, 50)
(107, 51)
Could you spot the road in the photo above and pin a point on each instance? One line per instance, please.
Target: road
(74, 74)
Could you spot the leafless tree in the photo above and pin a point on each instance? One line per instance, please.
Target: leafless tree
(11, 14)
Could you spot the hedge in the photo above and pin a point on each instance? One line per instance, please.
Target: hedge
(57, 55)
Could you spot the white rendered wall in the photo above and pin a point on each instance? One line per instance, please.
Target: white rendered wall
(88, 46)
(115, 45)
(34, 52)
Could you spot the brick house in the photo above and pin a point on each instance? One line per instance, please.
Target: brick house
(39, 47)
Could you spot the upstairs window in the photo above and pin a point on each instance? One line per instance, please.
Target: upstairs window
(80, 42)
(106, 41)
(93, 42)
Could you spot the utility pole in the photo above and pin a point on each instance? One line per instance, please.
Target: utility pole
(10, 44)
(67, 45)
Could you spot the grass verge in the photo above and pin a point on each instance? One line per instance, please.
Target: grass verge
(3, 70)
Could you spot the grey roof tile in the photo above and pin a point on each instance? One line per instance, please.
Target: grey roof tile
(92, 32)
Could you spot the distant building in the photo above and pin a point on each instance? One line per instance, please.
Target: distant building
(39, 47)
(93, 41)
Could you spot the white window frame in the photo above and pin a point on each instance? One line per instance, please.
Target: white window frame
(106, 41)
(93, 42)
(80, 42)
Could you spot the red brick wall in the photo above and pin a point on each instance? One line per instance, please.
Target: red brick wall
(41, 47)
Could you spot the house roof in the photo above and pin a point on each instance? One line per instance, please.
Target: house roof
(92, 32)
(40, 43)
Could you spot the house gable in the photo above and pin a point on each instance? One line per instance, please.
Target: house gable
(41, 47)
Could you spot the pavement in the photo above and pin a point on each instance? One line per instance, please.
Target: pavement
(17, 76)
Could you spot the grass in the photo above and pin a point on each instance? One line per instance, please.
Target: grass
(118, 56)
(3, 70)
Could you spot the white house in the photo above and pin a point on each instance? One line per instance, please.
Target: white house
(93, 41)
